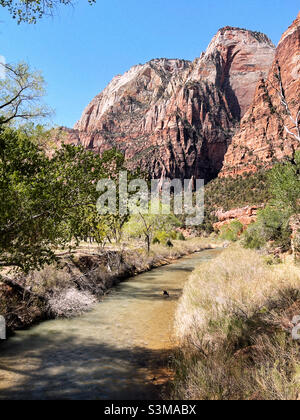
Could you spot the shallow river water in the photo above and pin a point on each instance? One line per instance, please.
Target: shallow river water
(117, 351)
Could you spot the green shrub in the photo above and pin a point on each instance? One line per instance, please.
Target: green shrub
(229, 193)
(272, 260)
(273, 222)
(232, 231)
(284, 184)
(272, 225)
(253, 238)
(162, 237)
(180, 236)
(296, 243)
(173, 235)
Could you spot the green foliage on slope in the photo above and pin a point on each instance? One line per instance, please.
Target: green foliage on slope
(230, 193)
(273, 222)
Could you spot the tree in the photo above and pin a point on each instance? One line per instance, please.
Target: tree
(47, 138)
(146, 225)
(41, 198)
(26, 232)
(273, 222)
(284, 181)
(32, 10)
(89, 225)
(46, 203)
(21, 93)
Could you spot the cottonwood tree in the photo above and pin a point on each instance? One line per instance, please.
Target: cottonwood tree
(114, 164)
(30, 11)
(42, 199)
(45, 136)
(26, 234)
(21, 94)
(46, 202)
(146, 225)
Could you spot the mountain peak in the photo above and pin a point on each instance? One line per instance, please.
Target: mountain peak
(234, 35)
(256, 34)
(261, 131)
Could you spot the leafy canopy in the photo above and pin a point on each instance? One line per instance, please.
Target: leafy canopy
(30, 11)
(147, 225)
(21, 94)
(273, 222)
(47, 202)
(284, 180)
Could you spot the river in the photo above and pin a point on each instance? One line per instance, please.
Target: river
(117, 351)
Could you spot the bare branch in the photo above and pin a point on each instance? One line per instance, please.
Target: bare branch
(20, 94)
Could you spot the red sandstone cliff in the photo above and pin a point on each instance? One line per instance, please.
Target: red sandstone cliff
(174, 117)
(262, 139)
(245, 215)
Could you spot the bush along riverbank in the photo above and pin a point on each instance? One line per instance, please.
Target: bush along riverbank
(234, 323)
(79, 280)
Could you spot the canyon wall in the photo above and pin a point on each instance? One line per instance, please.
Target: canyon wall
(176, 118)
(262, 139)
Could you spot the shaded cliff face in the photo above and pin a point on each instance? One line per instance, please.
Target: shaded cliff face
(262, 139)
(174, 117)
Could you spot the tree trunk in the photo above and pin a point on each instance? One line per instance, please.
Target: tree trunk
(148, 243)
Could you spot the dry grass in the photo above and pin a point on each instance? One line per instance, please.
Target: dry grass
(50, 278)
(139, 260)
(70, 302)
(72, 287)
(181, 248)
(234, 326)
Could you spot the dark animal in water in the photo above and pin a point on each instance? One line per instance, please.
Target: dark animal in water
(166, 294)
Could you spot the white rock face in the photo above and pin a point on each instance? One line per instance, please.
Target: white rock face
(244, 55)
(176, 117)
(121, 87)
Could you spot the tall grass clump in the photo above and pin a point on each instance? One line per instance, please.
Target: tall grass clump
(272, 225)
(234, 324)
(232, 231)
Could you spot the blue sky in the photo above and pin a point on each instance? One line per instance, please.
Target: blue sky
(82, 48)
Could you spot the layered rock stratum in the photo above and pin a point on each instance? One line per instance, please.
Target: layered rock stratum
(245, 215)
(262, 138)
(176, 118)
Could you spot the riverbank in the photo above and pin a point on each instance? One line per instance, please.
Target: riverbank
(234, 323)
(119, 350)
(80, 279)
